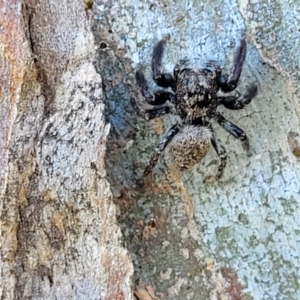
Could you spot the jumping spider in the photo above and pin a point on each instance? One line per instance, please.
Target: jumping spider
(194, 99)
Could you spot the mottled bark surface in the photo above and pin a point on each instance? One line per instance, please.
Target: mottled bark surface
(238, 238)
(59, 238)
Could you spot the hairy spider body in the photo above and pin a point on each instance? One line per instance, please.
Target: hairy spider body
(194, 99)
(195, 91)
(190, 145)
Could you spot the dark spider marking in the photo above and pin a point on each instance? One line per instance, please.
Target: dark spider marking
(193, 97)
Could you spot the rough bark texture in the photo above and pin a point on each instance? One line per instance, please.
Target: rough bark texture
(238, 238)
(59, 238)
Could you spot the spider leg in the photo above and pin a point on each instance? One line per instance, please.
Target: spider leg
(222, 154)
(234, 103)
(159, 97)
(229, 83)
(165, 140)
(150, 113)
(161, 79)
(233, 129)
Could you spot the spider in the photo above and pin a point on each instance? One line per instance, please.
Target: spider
(192, 95)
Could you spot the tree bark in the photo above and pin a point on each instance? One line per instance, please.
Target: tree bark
(59, 237)
(237, 238)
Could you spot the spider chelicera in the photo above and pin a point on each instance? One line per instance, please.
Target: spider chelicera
(192, 95)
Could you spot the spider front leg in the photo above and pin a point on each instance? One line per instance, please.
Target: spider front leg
(233, 129)
(232, 102)
(229, 83)
(161, 79)
(160, 101)
(159, 97)
(165, 140)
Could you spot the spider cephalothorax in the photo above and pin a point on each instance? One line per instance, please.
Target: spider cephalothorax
(194, 99)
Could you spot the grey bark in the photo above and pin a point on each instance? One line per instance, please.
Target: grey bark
(59, 237)
(235, 239)
(238, 238)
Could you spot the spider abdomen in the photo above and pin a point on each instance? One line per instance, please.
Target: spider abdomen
(190, 145)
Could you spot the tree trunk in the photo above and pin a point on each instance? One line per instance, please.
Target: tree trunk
(238, 238)
(59, 238)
